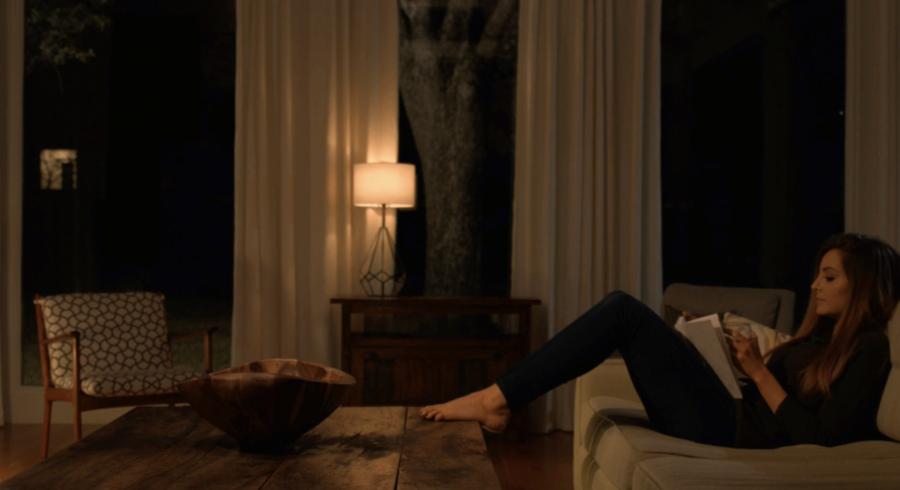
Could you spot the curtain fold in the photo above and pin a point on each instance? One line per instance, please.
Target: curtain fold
(872, 131)
(12, 56)
(587, 210)
(316, 92)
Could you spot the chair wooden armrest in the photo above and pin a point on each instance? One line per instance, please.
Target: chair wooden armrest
(76, 375)
(71, 335)
(207, 344)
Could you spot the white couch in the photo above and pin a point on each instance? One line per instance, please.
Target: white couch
(614, 448)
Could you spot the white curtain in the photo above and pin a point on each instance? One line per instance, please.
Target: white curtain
(316, 92)
(12, 52)
(587, 214)
(872, 150)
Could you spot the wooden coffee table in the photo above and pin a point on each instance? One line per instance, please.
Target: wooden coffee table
(355, 448)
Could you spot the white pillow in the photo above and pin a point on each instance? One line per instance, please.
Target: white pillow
(769, 338)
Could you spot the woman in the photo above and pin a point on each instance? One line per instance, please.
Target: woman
(823, 387)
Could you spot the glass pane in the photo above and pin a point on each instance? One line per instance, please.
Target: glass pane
(129, 166)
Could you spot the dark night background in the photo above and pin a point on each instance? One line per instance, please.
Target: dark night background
(752, 153)
(752, 140)
(152, 118)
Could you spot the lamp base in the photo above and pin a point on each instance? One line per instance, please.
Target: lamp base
(381, 273)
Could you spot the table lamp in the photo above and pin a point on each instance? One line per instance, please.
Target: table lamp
(383, 185)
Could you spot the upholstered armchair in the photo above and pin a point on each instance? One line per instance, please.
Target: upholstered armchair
(104, 350)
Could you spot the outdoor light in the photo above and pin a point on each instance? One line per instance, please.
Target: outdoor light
(383, 185)
(59, 169)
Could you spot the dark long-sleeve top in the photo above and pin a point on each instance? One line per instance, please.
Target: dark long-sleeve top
(848, 415)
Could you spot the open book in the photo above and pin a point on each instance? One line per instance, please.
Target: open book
(708, 337)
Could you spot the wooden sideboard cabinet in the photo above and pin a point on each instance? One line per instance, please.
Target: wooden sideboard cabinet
(424, 350)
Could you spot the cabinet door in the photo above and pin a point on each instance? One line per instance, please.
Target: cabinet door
(422, 376)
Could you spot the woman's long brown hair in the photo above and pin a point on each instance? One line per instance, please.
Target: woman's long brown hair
(873, 271)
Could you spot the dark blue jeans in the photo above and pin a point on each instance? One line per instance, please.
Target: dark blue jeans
(683, 397)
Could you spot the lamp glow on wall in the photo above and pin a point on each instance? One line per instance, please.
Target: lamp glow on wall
(383, 185)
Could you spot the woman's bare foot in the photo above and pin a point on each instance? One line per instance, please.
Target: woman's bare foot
(487, 406)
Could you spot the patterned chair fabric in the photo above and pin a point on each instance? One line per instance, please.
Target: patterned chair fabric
(124, 348)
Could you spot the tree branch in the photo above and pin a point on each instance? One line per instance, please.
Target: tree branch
(503, 16)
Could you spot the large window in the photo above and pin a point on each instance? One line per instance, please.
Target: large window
(753, 140)
(144, 201)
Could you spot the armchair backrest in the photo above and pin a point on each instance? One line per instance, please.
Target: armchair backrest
(119, 332)
(770, 307)
(889, 410)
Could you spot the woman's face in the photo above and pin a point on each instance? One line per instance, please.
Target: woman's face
(831, 287)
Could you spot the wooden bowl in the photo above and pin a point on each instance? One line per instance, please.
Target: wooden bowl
(266, 405)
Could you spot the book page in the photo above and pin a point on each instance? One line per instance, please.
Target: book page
(709, 340)
(714, 319)
(720, 333)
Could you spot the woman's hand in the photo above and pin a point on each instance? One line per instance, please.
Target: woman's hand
(747, 358)
(746, 355)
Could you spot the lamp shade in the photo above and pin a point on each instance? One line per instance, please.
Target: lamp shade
(389, 184)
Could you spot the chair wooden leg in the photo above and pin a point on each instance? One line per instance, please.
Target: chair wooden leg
(45, 433)
(77, 422)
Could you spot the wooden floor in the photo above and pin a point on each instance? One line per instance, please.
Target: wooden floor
(540, 461)
(20, 445)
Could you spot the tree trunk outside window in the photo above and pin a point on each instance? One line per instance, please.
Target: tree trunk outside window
(452, 53)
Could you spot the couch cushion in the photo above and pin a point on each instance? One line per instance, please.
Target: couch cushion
(676, 473)
(619, 438)
(119, 332)
(888, 418)
(760, 305)
(592, 477)
(131, 383)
